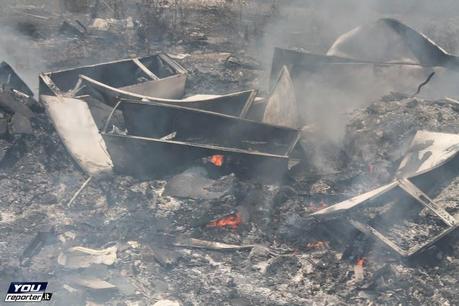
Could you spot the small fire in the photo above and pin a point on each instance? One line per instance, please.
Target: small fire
(217, 160)
(232, 221)
(359, 272)
(361, 262)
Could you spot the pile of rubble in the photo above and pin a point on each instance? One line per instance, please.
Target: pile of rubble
(142, 184)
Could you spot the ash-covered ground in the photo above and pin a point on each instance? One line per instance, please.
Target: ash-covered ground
(289, 261)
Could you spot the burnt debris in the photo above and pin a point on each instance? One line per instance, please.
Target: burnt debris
(163, 170)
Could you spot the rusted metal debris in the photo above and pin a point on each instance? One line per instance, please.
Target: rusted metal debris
(429, 159)
(248, 147)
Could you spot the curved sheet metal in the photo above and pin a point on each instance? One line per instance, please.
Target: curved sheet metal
(388, 40)
(10, 78)
(234, 104)
(179, 136)
(75, 126)
(428, 151)
(282, 108)
(351, 203)
(156, 75)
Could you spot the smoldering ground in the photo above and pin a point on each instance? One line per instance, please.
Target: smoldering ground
(137, 216)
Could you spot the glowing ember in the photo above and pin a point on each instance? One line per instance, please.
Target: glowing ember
(361, 262)
(232, 221)
(359, 273)
(217, 160)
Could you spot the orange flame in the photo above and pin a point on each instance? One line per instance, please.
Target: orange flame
(361, 262)
(217, 160)
(233, 221)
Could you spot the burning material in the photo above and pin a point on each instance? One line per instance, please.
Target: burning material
(361, 262)
(359, 273)
(422, 165)
(253, 148)
(232, 221)
(125, 208)
(217, 160)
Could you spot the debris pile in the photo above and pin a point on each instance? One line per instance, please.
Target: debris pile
(143, 183)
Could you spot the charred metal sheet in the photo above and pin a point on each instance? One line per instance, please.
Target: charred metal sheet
(320, 81)
(370, 61)
(10, 79)
(428, 151)
(257, 109)
(282, 108)
(10, 103)
(248, 147)
(389, 40)
(234, 104)
(298, 61)
(393, 193)
(354, 202)
(156, 75)
(78, 131)
(431, 157)
(450, 222)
